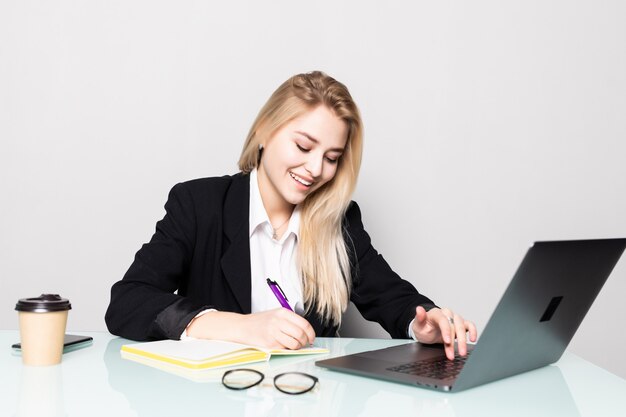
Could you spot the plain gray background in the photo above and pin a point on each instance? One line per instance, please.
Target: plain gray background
(489, 125)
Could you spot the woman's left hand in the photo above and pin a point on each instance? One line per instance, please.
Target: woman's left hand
(443, 326)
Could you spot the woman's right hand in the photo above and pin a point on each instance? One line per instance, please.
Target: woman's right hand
(276, 329)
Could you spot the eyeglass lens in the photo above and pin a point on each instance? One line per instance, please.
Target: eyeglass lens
(289, 382)
(241, 378)
(294, 382)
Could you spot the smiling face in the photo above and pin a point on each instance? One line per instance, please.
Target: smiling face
(300, 158)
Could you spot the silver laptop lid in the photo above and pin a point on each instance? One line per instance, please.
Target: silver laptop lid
(541, 309)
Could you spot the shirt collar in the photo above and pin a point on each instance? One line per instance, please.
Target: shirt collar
(258, 215)
(294, 223)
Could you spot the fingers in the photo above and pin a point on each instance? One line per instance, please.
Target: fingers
(420, 315)
(304, 330)
(293, 336)
(431, 326)
(289, 330)
(459, 329)
(473, 333)
(453, 326)
(420, 327)
(463, 328)
(448, 332)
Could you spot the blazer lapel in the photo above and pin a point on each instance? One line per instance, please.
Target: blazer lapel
(236, 253)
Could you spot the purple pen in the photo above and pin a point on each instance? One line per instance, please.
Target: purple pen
(279, 294)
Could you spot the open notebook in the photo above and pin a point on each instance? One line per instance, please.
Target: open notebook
(200, 355)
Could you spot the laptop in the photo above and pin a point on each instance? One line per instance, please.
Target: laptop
(535, 320)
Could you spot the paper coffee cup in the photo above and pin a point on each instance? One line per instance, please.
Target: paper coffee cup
(42, 328)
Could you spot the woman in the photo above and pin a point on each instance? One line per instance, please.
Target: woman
(286, 216)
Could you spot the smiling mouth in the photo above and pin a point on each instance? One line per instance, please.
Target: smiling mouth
(300, 180)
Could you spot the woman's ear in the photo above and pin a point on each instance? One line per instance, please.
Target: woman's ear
(258, 161)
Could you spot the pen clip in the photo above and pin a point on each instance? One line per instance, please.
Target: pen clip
(275, 284)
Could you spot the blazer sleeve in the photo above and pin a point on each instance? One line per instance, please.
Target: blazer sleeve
(377, 291)
(143, 304)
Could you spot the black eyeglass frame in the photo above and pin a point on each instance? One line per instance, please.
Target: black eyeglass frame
(313, 378)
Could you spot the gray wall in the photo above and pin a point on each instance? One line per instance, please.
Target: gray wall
(489, 125)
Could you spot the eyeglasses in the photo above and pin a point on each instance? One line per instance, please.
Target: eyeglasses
(292, 383)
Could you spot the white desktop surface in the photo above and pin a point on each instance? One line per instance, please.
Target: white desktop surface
(95, 381)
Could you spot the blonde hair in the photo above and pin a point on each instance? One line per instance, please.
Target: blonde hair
(322, 251)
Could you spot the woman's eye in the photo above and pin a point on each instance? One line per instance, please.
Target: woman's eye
(302, 149)
(331, 160)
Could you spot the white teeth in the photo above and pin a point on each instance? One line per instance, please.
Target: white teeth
(300, 180)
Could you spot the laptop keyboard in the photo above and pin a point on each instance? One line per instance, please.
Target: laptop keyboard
(438, 368)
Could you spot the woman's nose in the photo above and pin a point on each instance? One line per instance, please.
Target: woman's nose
(314, 165)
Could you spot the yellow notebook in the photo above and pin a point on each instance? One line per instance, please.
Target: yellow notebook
(199, 354)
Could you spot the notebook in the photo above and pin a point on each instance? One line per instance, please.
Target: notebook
(200, 355)
(536, 318)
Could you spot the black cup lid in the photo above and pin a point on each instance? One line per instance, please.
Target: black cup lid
(43, 304)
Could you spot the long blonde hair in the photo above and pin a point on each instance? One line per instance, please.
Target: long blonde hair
(322, 251)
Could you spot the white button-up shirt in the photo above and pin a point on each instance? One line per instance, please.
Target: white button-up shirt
(269, 258)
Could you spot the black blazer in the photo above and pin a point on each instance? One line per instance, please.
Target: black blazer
(199, 258)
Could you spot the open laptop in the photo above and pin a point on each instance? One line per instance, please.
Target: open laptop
(540, 311)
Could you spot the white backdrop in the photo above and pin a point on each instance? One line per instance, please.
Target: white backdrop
(489, 125)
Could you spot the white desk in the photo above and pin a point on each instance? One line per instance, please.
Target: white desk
(96, 381)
